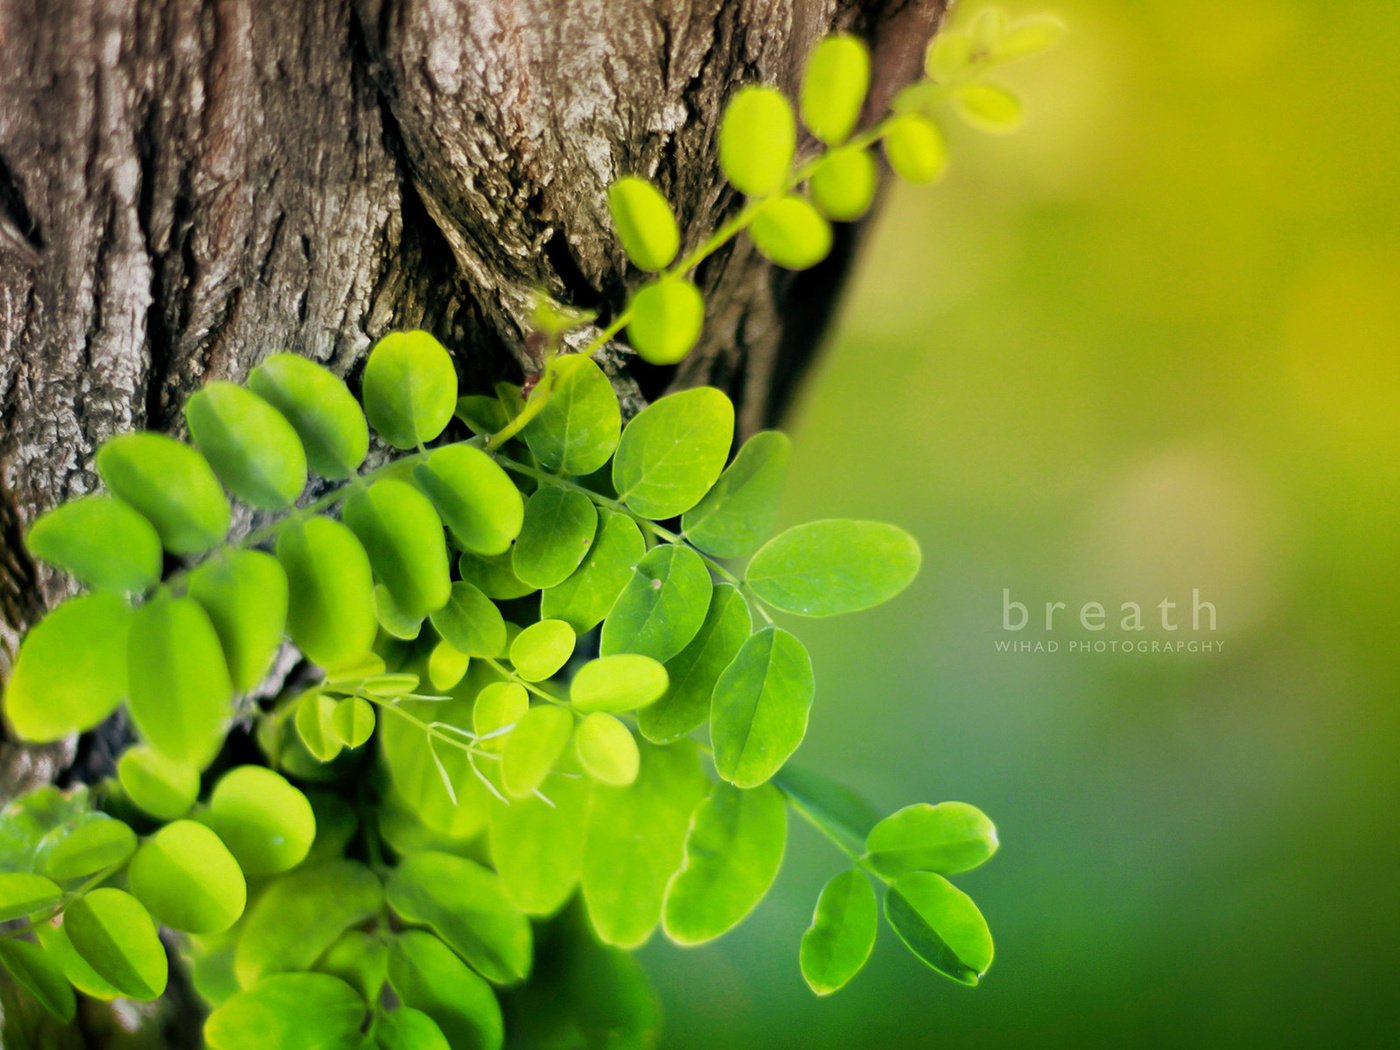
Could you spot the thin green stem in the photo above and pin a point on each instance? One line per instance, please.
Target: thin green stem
(532, 687)
(830, 834)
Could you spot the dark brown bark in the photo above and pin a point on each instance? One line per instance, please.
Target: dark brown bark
(188, 185)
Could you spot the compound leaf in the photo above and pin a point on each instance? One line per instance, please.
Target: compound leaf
(947, 838)
(113, 934)
(662, 607)
(252, 447)
(266, 823)
(188, 879)
(732, 854)
(558, 530)
(672, 452)
(172, 486)
(585, 597)
(410, 388)
(739, 513)
(330, 613)
(245, 594)
(759, 712)
(478, 502)
(101, 542)
(320, 408)
(825, 568)
(939, 923)
(838, 943)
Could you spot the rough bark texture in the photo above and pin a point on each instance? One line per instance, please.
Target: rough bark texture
(189, 185)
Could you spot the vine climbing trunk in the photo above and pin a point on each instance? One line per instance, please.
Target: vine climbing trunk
(187, 185)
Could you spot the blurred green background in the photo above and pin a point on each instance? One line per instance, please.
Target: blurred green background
(1147, 345)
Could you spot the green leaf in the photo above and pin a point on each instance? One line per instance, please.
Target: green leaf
(672, 452)
(113, 934)
(359, 959)
(402, 534)
(419, 771)
(826, 568)
(83, 977)
(41, 975)
(988, 28)
(315, 725)
(354, 719)
(179, 683)
(841, 809)
(838, 943)
(395, 622)
(622, 682)
(915, 149)
(408, 1029)
(330, 615)
(662, 607)
(989, 108)
(759, 712)
(558, 530)
(606, 750)
(446, 666)
(542, 649)
(585, 597)
(479, 503)
(533, 747)
(245, 594)
(668, 315)
(577, 430)
(471, 623)
(732, 854)
(482, 413)
(172, 486)
(739, 513)
(289, 1011)
(939, 923)
(71, 670)
(791, 232)
(757, 138)
(266, 823)
(947, 838)
(251, 446)
(844, 183)
(301, 914)
(410, 388)
(160, 786)
(694, 671)
(834, 86)
(426, 976)
(24, 894)
(644, 223)
(462, 903)
(493, 575)
(96, 844)
(499, 705)
(320, 408)
(101, 542)
(537, 845)
(188, 879)
(635, 840)
(1029, 37)
(949, 54)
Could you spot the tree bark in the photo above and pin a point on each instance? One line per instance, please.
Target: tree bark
(189, 185)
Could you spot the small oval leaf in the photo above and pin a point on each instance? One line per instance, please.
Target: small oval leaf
(739, 513)
(607, 750)
(252, 447)
(942, 927)
(188, 879)
(160, 786)
(791, 232)
(24, 894)
(838, 943)
(245, 594)
(471, 623)
(330, 612)
(643, 222)
(288, 1011)
(672, 452)
(172, 486)
(916, 149)
(662, 607)
(266, 823)
(844, 183)
(586, 596)
(478, 502)
(947, 838)
(667, 318)
(757, 138)
(402, 534)
(410, 388)
(533, 747)
(577, 429)
(834, 86)
(759, 712)
(320, 408)
(623, 682)
(101, 542)
(114, 935)
(825, 568)
(542, 649)
(558, 530)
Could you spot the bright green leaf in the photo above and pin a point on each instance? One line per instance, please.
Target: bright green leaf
(82, 976)
(288, 1011)
(1029, 37)
(668, 315)
(395, 622)
(498, 706)
(71, 671)
(844, 183)
(949, 54)
(41, 975)
(947, 838)
(635, 841)
(533, 747)
(606, 750)
(585, 597)
(621, 682)
(479, 503)
(839, 941)
(537, 845)
(172, 486)
(180, 687)
(266, 823)
(462, 903)
(791, 232)
(834, 86)
(314, 720)
(426, 976)
(320, 408)
(160, 786)
(662, 607)
(330, 615)
(759, 712)
(96, 844)
(408, 1029)
(672, 452)
(739, 513)
(558, 530)
(939, 923)
(757, 138)
(359, 959)
(101, 542)
(694, 671)
(402, 534)
(989, 108)
(577, 430)
(112, 933)
(188, 879)
(420, 770)
(252, 447)
(446, 666)
(410, 388)
(354, 720)
(915, 149)
(245, 594)
(644, 223)
(732, 854)
(24, 894)
(542, 649)
(471, 623)
(825, 568)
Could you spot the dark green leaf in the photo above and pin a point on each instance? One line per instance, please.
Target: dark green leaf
(172, 486)
(245, 594)
(102, 542)
(41, 975)
(739, 513)
(410, 388)
(330, 615)
(672, 452)
(478, 502)
(251, 446)
(838, 943)
(320, 408)
(289, 1011)
(759, 712)
(662, 607)
(694, 671)
(558, 530)
(940, 925)
(825, 568)
(188, 879)
(112, 933)
(585, 597)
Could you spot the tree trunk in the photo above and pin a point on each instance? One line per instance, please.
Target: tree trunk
(189, 185)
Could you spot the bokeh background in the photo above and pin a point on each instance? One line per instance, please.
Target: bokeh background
(1145, 346)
